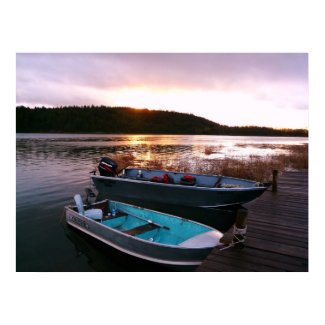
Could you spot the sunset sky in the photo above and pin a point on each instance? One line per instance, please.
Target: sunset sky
(233, 89)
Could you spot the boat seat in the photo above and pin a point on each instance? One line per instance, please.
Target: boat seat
(141, 229)
(206, 239)
(95, 214)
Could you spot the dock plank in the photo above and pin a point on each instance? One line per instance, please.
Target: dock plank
(277, 232)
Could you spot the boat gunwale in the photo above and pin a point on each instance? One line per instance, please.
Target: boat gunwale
(188, 187)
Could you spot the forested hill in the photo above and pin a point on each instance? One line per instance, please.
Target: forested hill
(102, 119)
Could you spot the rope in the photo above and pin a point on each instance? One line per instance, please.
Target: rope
(239, 231)
(238, 237)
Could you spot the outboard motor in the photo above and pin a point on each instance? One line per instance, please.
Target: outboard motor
(107, 167)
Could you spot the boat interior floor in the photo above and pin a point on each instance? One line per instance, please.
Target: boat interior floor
(141, 229)
(117, 215)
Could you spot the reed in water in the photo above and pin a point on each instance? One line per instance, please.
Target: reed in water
(257, 168)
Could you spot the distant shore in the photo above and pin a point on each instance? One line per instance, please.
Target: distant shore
(125, 120)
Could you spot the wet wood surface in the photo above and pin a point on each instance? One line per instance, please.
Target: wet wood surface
(277, 232)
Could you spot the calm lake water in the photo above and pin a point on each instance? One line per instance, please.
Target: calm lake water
(51, 168)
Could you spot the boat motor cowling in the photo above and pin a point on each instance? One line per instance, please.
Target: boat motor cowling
(107, 167)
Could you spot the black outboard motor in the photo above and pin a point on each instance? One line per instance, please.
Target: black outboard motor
(107, 167)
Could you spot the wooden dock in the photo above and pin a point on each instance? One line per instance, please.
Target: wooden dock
(277, 232)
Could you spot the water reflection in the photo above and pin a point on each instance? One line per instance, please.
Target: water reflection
(101, 257)
(51, 168)
(145, 146)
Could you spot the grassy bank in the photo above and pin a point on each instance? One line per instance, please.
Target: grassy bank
(255, 167)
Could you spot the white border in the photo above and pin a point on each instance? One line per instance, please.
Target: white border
(162, 26)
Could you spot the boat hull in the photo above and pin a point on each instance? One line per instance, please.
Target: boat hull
(153, 252)
(128, 190)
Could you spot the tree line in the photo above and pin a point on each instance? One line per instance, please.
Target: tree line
(111, 120)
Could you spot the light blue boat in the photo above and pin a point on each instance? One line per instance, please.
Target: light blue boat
(144, 233)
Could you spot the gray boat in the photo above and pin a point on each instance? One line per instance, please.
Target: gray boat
(144, 233)
(173, 188)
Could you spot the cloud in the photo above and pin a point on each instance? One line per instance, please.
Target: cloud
(280, 80)
(159, 70)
